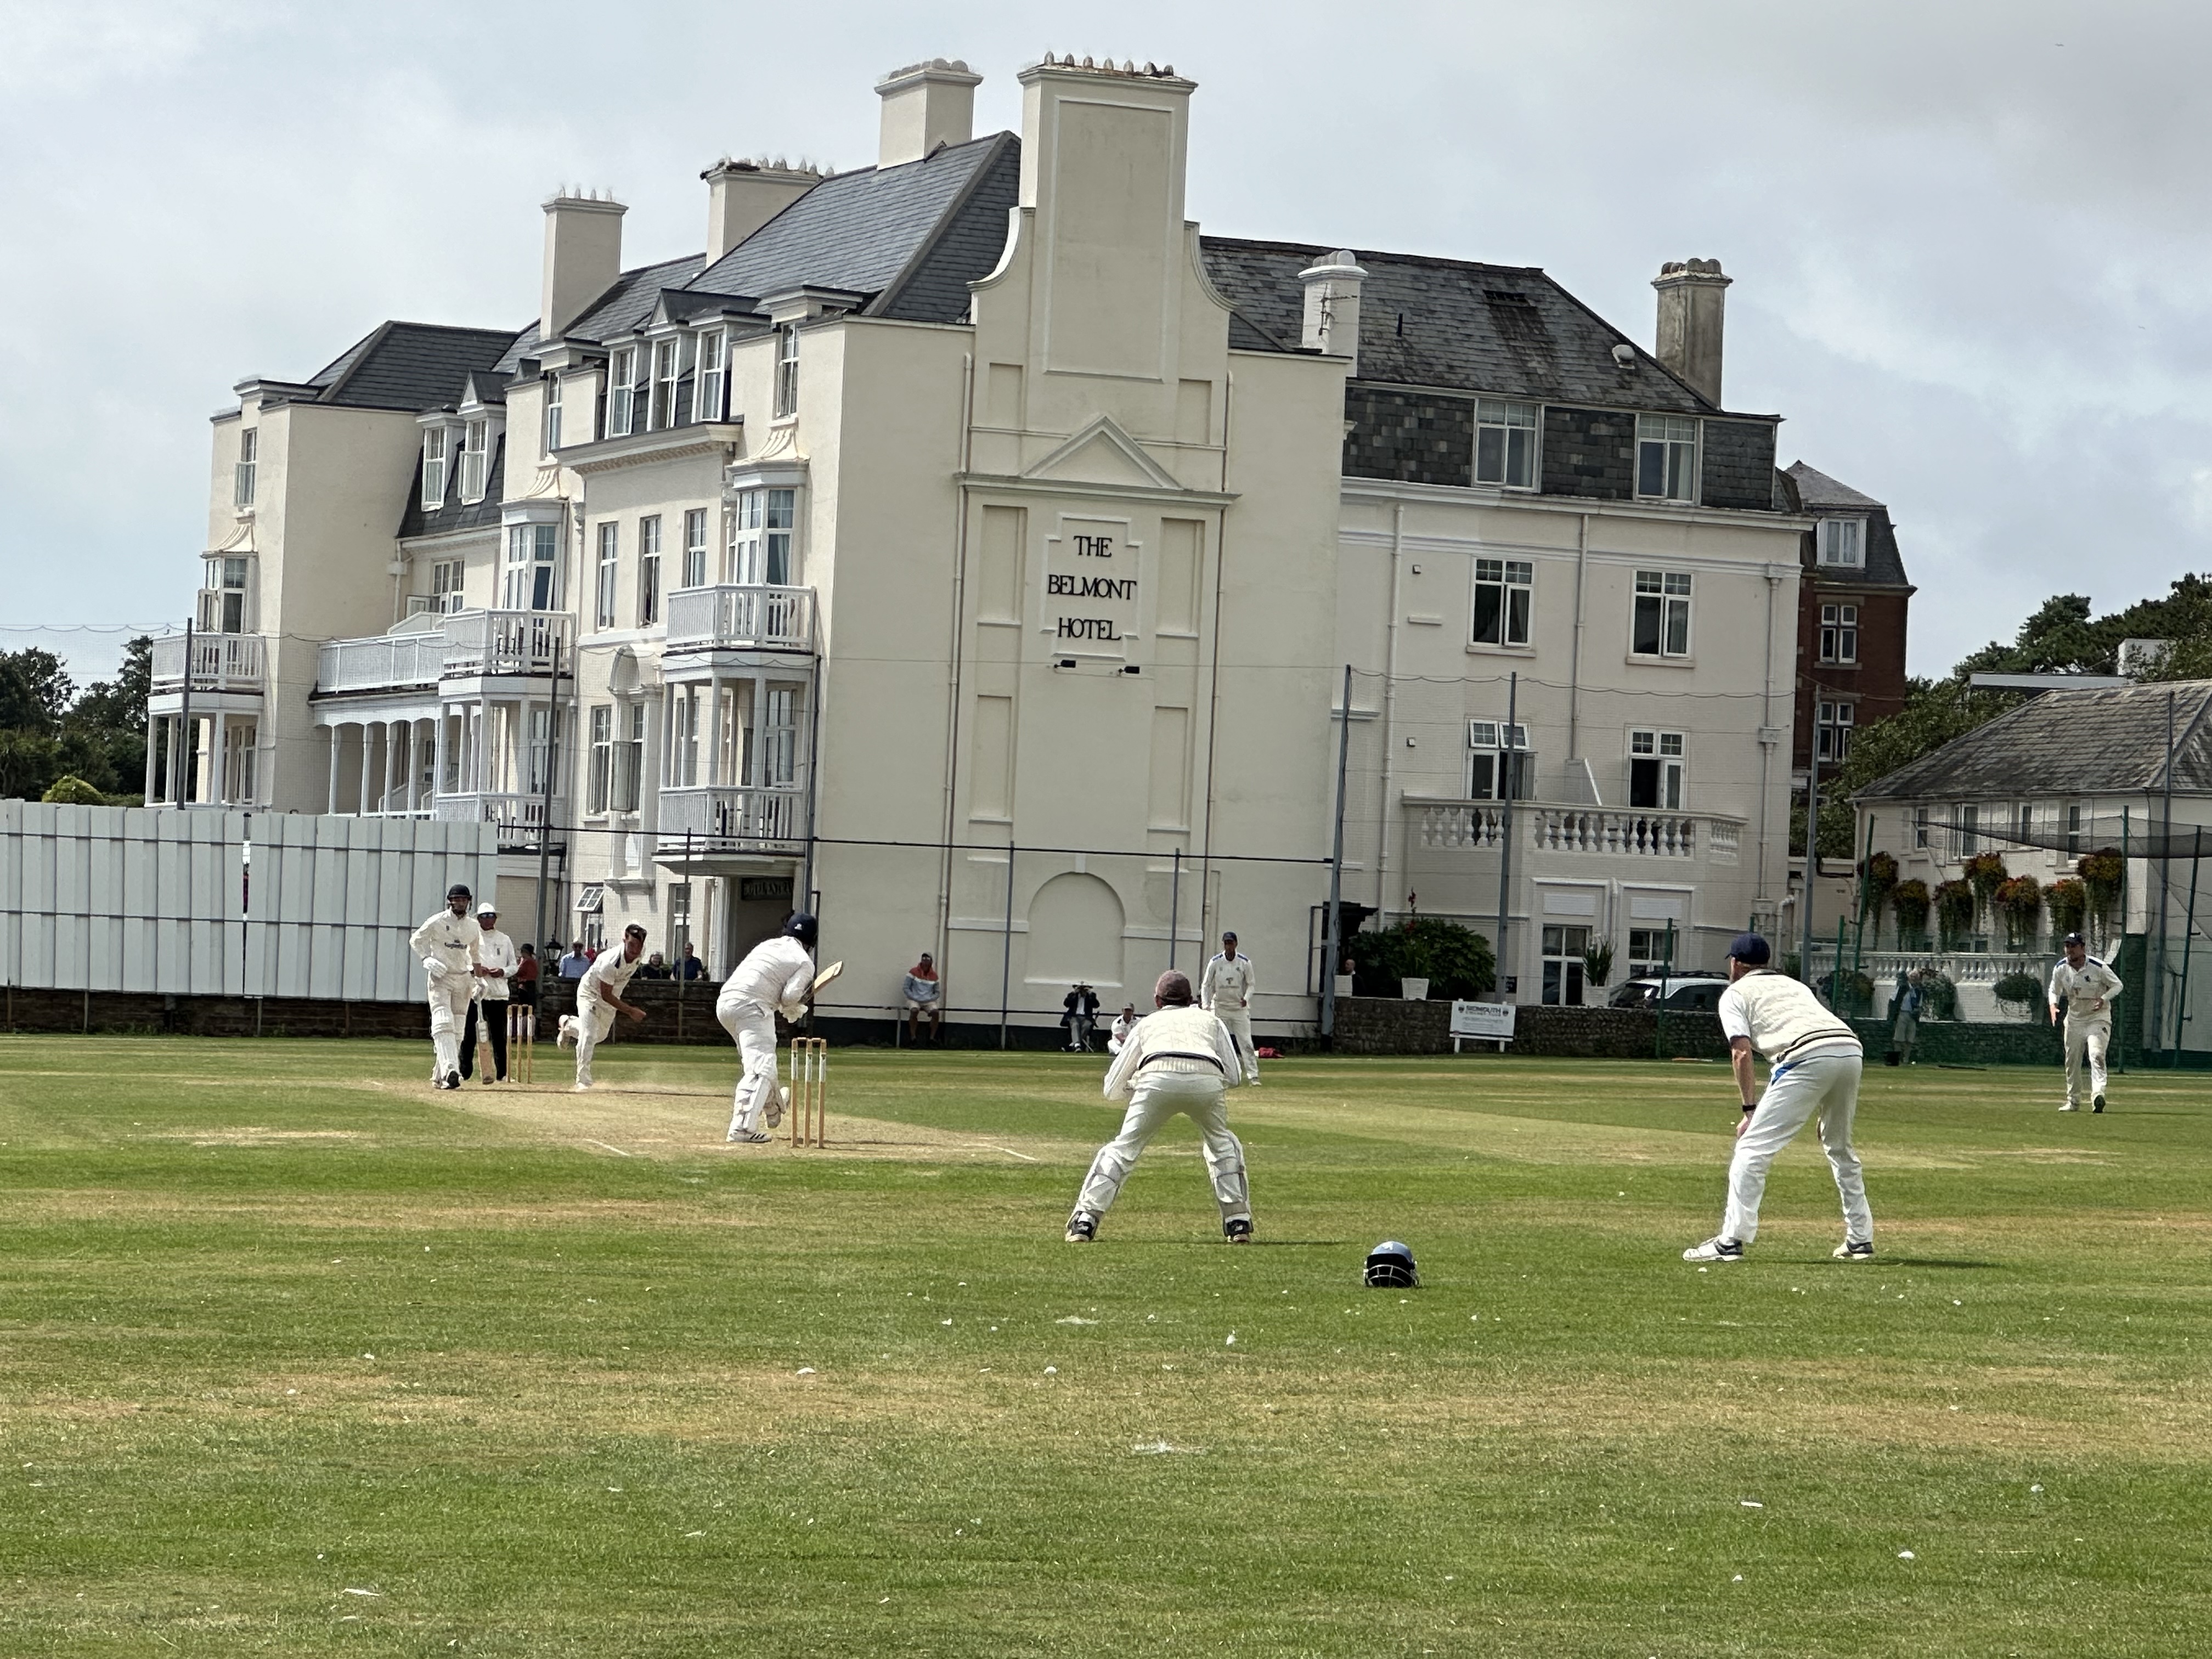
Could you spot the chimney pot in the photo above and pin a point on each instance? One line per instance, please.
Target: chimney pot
(1692, 305)
(1332, 315)
(926, 107)
(743, 196)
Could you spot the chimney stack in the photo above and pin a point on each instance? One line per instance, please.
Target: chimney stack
(583, 257)
(1332, 321)
(1692, 298)
(925, 105)
(743, 196)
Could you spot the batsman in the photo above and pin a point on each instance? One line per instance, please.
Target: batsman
(776, 977)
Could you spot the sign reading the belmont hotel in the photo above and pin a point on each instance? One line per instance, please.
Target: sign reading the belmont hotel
(1090, 587)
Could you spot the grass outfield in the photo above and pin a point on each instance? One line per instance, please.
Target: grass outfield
(298, 1356)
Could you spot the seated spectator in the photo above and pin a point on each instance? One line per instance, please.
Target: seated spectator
(1082, 1004)
(577, 962)
(525, 977)
(1124, 1023)
(923, 999)
(689, 966)
(655, 968)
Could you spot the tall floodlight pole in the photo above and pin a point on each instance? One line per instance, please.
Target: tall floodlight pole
(1332, 943)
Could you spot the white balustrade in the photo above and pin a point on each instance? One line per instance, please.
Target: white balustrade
(741, 617)
(726, 813)
(516, 814)
(1547, 827)
(226, 661)
(380, 661)
(504, 641)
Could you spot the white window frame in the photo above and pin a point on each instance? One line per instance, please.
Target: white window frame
(437, 446)
(761, 552)
(668, 379)
(1667, 596)
(533, 552)
(778, 759)
(607, 574)
(1667, 755)
(628, 757)
(787, 371)
(1654, 959)
(694, 547)
(1920, 829)
(550, 430)
(1505, 437)
(1574, 975)
(242, 474)
(1839, 634)
(648, 570)
(226, 594)
(1843, 543)
(687, 713)
(1490, 744)
(476, 460)
(448, 579)
(1669, 444)
(544, 722)
(1513, 583)
(2077, 826)
(1966, 837)
(622, 391)
(1834, 719)
(710, 380)
(601, 772)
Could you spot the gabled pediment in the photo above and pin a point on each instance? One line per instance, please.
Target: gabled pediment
(1102, 453)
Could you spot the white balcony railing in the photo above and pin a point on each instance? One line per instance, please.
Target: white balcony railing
(1480, 825)
(382, 661)
(504, 641)
(741, 618)
(518, 815)
(228, 662)
(449, 646)
(723, 813)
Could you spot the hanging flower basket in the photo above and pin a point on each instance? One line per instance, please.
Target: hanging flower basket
(1881, 873)
(1985, 873)
(2019, 901)
(1911, 900)
(1954, 913)
(2101, 873)
(2068, 901)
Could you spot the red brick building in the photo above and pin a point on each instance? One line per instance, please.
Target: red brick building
(1852, 608)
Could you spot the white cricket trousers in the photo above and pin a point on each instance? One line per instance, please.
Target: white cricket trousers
(754, 1029)
(1828, 1084)
(2092, 1037)
(1239, 1022)
(449, 1010)
(595, 1020)
(1152, 1102)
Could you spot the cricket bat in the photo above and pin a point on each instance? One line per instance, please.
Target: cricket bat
(824, 977)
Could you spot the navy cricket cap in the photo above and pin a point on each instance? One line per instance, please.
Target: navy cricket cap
(2074, 938)
(1751, 949)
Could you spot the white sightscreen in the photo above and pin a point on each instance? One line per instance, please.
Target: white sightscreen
(205, 903)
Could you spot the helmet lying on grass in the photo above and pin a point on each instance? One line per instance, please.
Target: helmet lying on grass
(1390, 1266)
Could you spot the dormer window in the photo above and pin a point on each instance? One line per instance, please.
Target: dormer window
(711, 376)
(622, 392)
(1843, 542)
(1666, 458)
(249, 451)
(667, 378)
(786, 370)
(552, 413)
(476, 459)
(434, 443)
(1505, 443)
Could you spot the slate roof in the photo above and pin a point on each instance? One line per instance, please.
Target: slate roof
(1427, 322)
(450, 515)
(1818, 495)
(912, 236)
(409, 366)
(2069, 743)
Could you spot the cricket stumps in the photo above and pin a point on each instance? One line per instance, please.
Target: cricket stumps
(809, 1112)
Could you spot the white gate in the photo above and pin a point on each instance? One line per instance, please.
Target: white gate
(207, 904)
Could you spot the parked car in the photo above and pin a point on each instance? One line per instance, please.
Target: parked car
(1696, 991)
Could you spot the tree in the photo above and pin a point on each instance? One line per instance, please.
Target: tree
(48, 729)
(104, 734)
(35, 690)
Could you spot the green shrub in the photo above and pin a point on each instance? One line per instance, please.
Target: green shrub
(1939, 996)
(2018, 992)
(70, 790)
(1455, 961)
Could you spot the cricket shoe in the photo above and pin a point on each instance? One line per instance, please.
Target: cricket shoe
(581, 1088)
(1237, 1229)
(567, 1038)
(772, 1113)
(2097, 1104)
(453, 1080)
(747, 1138)
(1854, 1249)
(1716, 1248)
(2069, 1106)
(1082, 1227)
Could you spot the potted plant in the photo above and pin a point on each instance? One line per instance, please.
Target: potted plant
(1954, 913)
(2019, 901)
(1911, 901)
(2018, 994)
(1939, 996)
(1597, 962)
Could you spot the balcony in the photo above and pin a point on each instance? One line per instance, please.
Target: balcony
(722, 817)
(219, 662)
(466, 644)
(1596, 832)
(741, 618)
(385, 662)
(519, 816)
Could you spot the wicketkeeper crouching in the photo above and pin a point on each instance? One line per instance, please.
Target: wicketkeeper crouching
(1178, 1058)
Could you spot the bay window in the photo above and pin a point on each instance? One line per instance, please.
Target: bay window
(761, 530)
(533, 570)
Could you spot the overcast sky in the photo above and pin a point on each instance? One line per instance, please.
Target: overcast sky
(1970, 241)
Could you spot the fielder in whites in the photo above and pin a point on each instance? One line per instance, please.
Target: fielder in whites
(1816, 1060)
(775, 978)
(447, 945)
(1178, 1058)
(2087, 987)
(1226, 991)
(600, 999)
